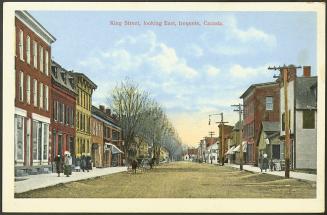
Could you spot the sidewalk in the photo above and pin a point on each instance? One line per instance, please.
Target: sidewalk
(297, 175)
(33, 182)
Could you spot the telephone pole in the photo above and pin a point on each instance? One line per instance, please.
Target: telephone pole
(284, 72)
(240, 111)
(221, 143)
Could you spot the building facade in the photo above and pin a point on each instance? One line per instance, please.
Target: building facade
(302, 105)
(112, 144)
(97, 141)
(63, 105)
(32, 95)
(261, 103)
(84, 89)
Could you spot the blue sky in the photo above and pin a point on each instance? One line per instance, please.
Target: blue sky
(192, 71)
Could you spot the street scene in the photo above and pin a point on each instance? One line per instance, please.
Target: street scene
(132, 104)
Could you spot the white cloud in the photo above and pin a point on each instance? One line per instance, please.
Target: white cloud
(212, 70)
(250, 34)
(168, 62)
(239, 72)
(195, 50)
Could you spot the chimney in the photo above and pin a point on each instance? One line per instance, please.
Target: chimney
(101, 107)
(108, 111)
(306, 71)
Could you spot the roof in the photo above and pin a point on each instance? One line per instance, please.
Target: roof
(305, 97)
(270, 126)
(60, 76)
(79, 74)
(237, 126)
(29, 20)
(105, 117)
(253, 86)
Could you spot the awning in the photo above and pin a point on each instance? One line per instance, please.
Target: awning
(114, 149)
(237, 149)
(230, 151)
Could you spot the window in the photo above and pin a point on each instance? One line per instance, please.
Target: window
(67, 115)
(35, 93)
(308, 119)
(276, 151)
(28, 90)
(55, 110)
(45, 141)
(21, 86)
(46, 98)
(19, 137)
(46, 63)
(37, 140)
(21, 45)
(28, 50)
(35, 54)
(63, 113)
(269, 103)
(41, 95)
(41, 58)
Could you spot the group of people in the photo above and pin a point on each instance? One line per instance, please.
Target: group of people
(265, 164)
(64, 165)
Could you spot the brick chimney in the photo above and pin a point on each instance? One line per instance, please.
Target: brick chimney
(108, 111)
(101, 107)
(306, 71)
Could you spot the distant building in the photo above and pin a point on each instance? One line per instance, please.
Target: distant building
(268, 141)
(261, 103)
(302, 105)
(32, 95)
(227, 138)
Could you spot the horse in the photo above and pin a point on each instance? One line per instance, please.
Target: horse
(134, 165)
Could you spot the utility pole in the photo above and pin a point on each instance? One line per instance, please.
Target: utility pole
(221, 143)
(240, 111)
(284, 70)
(211, 133)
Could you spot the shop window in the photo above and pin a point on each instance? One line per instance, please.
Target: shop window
(19, 137)
(275, 151)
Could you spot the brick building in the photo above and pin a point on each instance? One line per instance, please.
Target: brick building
(261, 103)
(112, 143)
(32, 94)
(63, 112)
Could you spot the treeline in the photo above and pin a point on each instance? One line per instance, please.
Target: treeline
(143, 121)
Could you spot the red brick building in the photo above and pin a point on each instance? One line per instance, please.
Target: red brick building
(32, 94)
(261, 103)
(63, 111)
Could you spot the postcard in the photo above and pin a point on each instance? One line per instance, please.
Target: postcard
(163, 107)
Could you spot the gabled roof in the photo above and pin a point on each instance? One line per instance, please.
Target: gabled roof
(305, 97)
(237, 126)
(253, 86)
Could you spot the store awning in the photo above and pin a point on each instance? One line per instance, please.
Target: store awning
(114, 149)
(230, 151)
(237, 149)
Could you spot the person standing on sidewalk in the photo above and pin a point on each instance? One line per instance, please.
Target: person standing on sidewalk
(265, 162)
(67, 166)
(58, 162)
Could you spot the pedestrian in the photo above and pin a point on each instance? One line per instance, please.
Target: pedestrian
(265, 162)
(260, 162)
(58, 163)
(67, 164)
(83, 163)
(88, 163)
(272, 165)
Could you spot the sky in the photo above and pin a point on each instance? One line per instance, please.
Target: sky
(191, 70)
